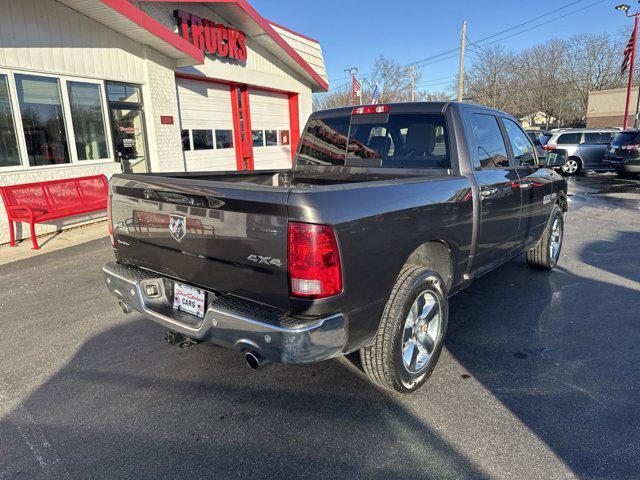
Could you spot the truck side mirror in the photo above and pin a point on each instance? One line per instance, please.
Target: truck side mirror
(555, 159)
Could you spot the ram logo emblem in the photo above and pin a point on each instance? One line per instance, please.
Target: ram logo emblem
(178, 227)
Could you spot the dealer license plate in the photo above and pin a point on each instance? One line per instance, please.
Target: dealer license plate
(189, 299)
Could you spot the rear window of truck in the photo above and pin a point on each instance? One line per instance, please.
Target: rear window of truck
(392, 141)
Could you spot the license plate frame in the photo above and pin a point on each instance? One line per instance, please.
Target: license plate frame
(189, 299)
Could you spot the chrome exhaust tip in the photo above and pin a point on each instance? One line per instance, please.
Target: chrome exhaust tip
(256, 360)
(124, 307)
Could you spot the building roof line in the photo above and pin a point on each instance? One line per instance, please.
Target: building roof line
(264, 24)
(144, 20)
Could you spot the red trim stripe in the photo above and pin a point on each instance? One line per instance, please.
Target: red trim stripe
(294, 123)
(147, 22)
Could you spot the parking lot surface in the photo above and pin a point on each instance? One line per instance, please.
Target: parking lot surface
(539, 378)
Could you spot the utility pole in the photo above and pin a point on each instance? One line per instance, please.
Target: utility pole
(463, 45)
(413, 83)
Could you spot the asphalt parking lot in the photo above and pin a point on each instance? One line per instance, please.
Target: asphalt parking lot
(539, 379)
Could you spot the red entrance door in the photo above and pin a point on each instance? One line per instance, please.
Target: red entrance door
(242, 127)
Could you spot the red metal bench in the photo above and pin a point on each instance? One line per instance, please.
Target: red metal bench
(45, 201)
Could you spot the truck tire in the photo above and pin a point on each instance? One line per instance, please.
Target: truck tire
(545, 255)
(405, 351)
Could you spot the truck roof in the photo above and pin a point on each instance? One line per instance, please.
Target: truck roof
(406, 107)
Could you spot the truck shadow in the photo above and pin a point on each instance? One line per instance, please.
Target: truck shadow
(558, 351)
(126, 405)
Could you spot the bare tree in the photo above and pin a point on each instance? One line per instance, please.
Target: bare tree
(491, 79)
(393, 80)
(539, 82)
(591, 62)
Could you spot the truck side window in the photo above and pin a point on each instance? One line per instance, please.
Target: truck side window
(492, 152)
(520, 143)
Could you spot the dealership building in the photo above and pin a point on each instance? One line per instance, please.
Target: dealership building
(104, 86)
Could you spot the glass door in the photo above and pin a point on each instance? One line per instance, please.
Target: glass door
(127, 118)
(129, 138)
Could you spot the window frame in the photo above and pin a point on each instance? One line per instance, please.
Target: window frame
(264, 142)
(17, 127)
(192, 142)
(106, 121)
(215, 138)
(68, 121)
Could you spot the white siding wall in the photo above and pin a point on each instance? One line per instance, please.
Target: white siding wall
(206, 106)
(43, 35)
(270, 111)
(309, 50)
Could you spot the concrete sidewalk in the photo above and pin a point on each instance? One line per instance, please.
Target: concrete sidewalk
(52, 242)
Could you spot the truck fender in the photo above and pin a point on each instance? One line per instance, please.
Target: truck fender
(435, 255)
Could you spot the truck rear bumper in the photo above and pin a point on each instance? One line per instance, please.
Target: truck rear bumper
(230, 322)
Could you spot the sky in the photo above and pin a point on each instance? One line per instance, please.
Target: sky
(353, 33)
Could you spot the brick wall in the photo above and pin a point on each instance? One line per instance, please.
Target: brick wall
(160, 98)
(608, 121)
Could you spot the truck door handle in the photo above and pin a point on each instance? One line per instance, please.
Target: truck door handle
(488, 192)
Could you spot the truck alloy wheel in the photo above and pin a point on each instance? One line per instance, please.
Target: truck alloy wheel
(411, 333)
(421, 332)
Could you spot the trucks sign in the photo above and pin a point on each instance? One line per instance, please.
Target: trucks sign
(214, 38)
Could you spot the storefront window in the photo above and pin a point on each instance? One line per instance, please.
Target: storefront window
(9, 154)
(123, 92)
(42, 119)
(271, 138)
(224, 139)
(88, 120)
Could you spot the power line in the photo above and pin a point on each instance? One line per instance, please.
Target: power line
(452, 53)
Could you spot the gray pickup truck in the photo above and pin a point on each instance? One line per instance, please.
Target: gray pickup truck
(388, 211)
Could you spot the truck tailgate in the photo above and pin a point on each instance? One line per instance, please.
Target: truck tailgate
(226, 237)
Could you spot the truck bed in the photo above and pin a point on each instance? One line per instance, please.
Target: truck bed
(234, 221)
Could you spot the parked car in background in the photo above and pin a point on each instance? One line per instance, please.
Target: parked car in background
(585, 147)
(623, 154)
(540, 143)
(534, 134)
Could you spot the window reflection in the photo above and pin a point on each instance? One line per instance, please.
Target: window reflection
(9, 154)
(88, 120)
(42, 119)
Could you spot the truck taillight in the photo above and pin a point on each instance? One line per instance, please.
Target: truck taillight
(314, 261)
(371, 109)
(110, 223)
